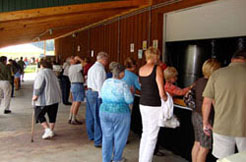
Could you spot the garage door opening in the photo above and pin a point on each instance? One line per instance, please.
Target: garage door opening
(31, 54)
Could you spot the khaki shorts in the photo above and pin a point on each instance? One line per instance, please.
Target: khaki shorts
(225, 145)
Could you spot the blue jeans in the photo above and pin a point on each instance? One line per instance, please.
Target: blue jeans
(115, 128)
(78, 92)
(93, 126)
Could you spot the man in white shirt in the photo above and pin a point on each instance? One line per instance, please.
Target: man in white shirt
(96, 77)
(77, 88)
(65, 82)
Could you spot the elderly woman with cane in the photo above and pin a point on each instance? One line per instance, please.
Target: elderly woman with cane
(46, 97)
(115, 115)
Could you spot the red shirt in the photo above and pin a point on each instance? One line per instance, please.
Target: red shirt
(86, 68)
(163, 66)
(175, 90)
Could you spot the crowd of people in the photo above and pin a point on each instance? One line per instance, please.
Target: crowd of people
(218, 118)
(11, 76)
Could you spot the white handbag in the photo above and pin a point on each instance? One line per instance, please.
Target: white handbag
(167, 118)
(171, 123)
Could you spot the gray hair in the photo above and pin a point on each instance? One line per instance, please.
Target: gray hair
(240, 54)
(102, 55)
(118, 68)
(68, 60)
(112, 65)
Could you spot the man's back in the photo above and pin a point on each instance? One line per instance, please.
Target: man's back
(96, 76)
(22, 64)
(227, 86)
(5, 73)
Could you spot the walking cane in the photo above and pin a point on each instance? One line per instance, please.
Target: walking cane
(33, 123)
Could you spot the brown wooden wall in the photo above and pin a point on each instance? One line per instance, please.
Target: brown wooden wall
(67, 46)
(135, 30)
(105, 38)
(115, 37)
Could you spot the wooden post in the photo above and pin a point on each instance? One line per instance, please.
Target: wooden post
(45, 48)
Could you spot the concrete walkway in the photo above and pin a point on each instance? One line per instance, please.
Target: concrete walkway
(70, 145)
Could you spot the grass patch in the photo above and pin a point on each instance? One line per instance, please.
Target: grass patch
(30, 69)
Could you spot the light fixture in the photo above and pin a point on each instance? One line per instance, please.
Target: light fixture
(78, 48)
(73, 35)
(50, 31)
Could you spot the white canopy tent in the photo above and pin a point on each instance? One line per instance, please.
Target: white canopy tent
(28, 48)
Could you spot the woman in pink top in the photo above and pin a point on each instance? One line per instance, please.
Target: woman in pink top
(171, 76)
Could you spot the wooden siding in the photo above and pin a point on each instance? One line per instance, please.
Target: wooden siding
(105, 38)
(144, 26)
(69, 46)
(133, 30)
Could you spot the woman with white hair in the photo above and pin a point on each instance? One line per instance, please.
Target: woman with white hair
(171, 76)
(115, 115)
(46, 97)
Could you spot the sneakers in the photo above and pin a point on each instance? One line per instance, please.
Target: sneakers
(52, 134)
(67, 103)
(98, 146)
(48, 133)
(7, 111)
(76, 122)
(122, 160)
(159, 153)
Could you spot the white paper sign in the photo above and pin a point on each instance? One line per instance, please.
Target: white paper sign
(140, 54)
(155, 44)
(145, 45)
(132, 47)
(78, 48)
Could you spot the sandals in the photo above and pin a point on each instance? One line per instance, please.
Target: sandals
(158, 153)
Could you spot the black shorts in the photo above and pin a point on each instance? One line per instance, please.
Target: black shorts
(51, 110)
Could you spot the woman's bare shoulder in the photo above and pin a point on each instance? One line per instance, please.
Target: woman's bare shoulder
(140, 70)
(145, 70)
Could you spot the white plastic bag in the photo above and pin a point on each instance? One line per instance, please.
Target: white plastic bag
(167, 118)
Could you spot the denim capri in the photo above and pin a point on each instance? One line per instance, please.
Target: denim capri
(78, 92)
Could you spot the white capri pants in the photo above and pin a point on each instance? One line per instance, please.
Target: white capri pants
(150, 117)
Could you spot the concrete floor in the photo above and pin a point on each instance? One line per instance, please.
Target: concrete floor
(70, 145)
